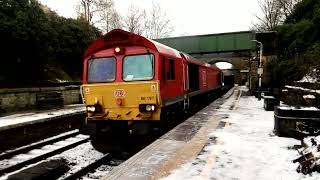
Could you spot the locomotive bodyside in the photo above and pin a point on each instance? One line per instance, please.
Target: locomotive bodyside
(202, 78)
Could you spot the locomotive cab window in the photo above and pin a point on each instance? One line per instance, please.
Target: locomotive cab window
(138, 67)
(102, 69)
(171, 72)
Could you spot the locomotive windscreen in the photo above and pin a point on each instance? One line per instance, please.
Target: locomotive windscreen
(101, 69)
(138, 67)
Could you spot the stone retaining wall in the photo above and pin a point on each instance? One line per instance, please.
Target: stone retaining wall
(20, 99)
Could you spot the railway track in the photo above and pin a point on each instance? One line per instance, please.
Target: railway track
(31, 154)
(36, 145)
(62, 146)
(92, 166)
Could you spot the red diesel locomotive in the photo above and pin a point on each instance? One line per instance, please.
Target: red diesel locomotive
(128, 78)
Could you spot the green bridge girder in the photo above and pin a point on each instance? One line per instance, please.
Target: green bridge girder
(212, 43)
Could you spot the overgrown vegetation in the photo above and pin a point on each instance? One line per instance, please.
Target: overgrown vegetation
(274, 13)
(37, 45)
(298, 44)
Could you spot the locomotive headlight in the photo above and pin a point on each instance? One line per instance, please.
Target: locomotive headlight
(96, 108)
(117, 49)
(91, 108)
(147, 107)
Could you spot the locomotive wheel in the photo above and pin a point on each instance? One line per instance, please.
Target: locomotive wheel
(116, 129)
(109, 137)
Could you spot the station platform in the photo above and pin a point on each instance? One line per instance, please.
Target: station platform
(180, 145)
(17, 120)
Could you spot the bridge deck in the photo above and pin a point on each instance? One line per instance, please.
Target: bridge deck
(213, 43)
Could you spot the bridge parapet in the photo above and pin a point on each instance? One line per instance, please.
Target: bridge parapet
(213, 43)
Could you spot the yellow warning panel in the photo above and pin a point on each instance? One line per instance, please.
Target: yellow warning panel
(121, 101)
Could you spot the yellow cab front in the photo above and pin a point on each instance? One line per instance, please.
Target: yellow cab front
(121, 87)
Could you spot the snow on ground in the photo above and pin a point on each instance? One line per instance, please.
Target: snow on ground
(309, 96)
(79, 157)
(247, 149)
(21, 119)
(37, 152)
(303, 89)
(101, 171)
(286, 107)
(47, 139)
(311, 77)
(45, 149)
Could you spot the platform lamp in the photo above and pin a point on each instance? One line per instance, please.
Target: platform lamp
(260, 70)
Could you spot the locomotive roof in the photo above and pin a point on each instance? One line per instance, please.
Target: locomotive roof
(193, 60)
(121, 37)
(118, 37)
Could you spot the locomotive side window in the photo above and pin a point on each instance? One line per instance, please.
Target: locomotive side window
(170, 73)
(102, 69)
(138, 67)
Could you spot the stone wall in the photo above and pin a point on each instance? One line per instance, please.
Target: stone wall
(20, 99)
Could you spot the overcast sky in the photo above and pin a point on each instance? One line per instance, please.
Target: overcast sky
(189, 17)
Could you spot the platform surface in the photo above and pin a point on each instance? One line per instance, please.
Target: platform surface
(178, 146)
(32, 117)
(232, 138)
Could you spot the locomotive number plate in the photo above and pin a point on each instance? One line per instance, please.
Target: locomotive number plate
(119, 93)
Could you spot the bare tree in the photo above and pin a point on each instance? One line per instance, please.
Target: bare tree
(287, 6)
(157, 25)
(101, 13)
(135, 19)
(274, 12)
(84, 10)
(271, 15)
(107, 18)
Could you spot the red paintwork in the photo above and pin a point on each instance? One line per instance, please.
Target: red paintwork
(209, 77)
(118, 37)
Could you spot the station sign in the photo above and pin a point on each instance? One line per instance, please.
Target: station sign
(244, 71)
(260, 71)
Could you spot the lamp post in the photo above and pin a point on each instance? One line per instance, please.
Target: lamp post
(260, 70)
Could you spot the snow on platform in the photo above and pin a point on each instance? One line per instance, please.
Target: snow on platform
(234, 141)
(22, 119)
(247, 149)
(178, 146)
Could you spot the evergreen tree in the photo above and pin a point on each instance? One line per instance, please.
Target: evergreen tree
(38, 45)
